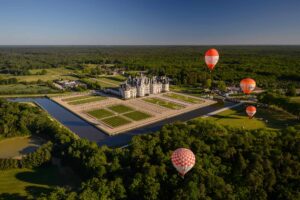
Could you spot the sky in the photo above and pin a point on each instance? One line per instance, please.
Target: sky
(149, 22)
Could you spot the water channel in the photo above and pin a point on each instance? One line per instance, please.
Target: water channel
(86, 130)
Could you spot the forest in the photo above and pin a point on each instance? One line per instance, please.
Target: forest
(270, 66)
(230, 163)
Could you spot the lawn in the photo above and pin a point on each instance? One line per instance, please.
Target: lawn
(18, 183)
(52, 74)
(77, 98)
(116, 121)
(137, 115)
(22, 89)
(13, 147)
(295, 99)
(163, 103)
(89, 100)
(120, 108)
(183, 98)
(237, 117)
(100, 113)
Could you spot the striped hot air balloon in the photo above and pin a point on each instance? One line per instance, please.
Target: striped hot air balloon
(247, 85)
(211, 58)
(183, 160)
(251, 110)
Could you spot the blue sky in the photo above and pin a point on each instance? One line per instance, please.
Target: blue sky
(150, 22)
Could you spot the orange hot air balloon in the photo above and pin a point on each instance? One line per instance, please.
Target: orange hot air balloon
(251, 110)
(247, 85)
(211, 58)
(183, 160)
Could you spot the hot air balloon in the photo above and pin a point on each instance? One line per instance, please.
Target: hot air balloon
(251, 110)
(183, 160)
(247, 85)
(211, 58)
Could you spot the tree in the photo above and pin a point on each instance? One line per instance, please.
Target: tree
(221, 86)
(291, 91)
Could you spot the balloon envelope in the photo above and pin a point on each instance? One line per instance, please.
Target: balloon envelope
(247, 85)
(251, 110)
(183, 160)
(211, 58)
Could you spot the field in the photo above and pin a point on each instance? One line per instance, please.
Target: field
(101, 113)
(295, 99)
(87, 100)
(17, 183)
(108, 81)
(14, 147)
(120, 108)
(52, 74)
(116, 121)
(23, 89)
(264, 118)
(163, 103)
(137, 115)
(183, 98)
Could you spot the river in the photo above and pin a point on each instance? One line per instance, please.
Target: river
(85, 130)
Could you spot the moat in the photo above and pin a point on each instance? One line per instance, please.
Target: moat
(86, 130)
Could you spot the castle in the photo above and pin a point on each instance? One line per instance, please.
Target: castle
(142, 86)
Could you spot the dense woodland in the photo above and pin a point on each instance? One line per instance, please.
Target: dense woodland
(230, 163)
(271, 66)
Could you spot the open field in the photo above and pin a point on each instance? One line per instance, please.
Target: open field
(18, 183)
(295, 99)
(164, 103)
(264, 118)
(137, 115)
(87, 100)
(183, 98)
(17, 146)
(100, 113)
(115, 121)
(22, 89)
(120, 108)
(52, 74)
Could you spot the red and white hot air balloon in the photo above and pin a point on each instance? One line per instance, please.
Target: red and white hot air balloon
(251, 110)
(211, 58)
(247, 85)
(183, 160)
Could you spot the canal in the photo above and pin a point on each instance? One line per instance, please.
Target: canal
(86, 130)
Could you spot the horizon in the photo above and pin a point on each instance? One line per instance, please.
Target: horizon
(149, 23)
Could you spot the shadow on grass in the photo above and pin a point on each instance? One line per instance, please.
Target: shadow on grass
(36, 191)
(48, 176)
(13, 196)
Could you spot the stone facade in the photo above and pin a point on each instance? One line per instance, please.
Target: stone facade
(142, 86)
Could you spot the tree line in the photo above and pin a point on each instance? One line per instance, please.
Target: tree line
(230, 163)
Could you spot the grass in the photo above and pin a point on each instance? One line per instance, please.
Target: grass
(264, 118)
(100, 113)
(52, 74)
(89, 100)
(77, 98)
(295, 99)
(137, 115)
(163, 103)
(116, 121)
(18, 183)
(22, 89)
(17, 146)
(183, 98)
(120, 108)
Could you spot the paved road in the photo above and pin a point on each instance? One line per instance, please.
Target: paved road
(85, 130)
